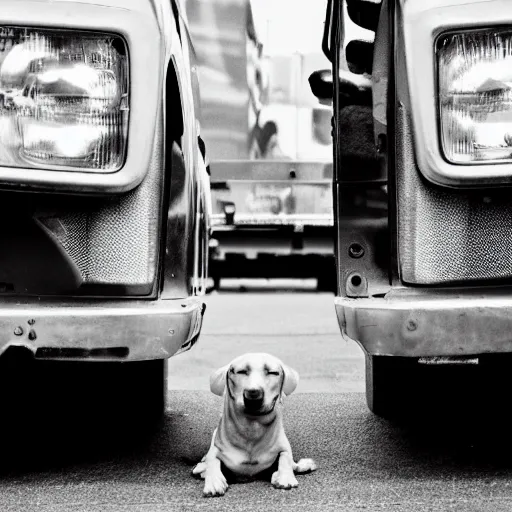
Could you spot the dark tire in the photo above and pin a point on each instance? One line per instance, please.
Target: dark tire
(391, 385)
(326, 279)
(120, 393)
(145, 384)
(77, 410)
(215, 279)
(326, 283)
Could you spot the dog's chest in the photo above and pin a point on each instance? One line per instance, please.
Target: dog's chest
(248, 461)
(248, 448)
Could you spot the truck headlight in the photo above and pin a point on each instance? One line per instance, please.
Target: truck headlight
(65, 99)
(475, 96)
(454, 81)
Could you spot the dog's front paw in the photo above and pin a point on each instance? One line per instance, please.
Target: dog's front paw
(305, 466)
(199, 470)
(284, 480)
(215, 485)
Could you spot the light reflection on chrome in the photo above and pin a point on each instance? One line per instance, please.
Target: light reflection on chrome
(475, 95)
(63, 99)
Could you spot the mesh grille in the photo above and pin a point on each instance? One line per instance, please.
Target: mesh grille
(115, 240)
(72, 233)
(448, 235)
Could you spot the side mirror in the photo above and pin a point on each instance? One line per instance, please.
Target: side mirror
(353, 89)
(359, 56)
(321, 85)
(364, 13)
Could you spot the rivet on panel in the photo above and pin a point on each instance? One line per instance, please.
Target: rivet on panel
(412, 325)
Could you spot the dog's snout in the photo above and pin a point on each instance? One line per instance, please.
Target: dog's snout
(253, 394)
(253, 399)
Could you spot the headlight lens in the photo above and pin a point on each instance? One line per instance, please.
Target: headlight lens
(475, 96)
(63, 99)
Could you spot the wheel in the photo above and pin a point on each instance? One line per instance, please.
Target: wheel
(138, 390)
(120, 393)
(326, 283)
(326, 279)
(78, 409)
(214, 280)
(391, 385)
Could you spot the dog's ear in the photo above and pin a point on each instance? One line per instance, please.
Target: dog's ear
(218, 380)
(290, 379)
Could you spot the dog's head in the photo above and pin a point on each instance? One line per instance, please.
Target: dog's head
(254, 382)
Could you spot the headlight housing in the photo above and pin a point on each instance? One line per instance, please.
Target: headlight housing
(65, 99)
(448, 53)
(475, 96)
(141, 40)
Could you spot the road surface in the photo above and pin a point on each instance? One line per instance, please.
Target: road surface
(363, 464)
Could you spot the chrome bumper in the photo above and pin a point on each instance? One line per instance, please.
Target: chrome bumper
(99, 329)
(425, 323)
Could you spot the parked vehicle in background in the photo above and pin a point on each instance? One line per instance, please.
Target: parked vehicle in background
(272, 219)
(422, 200)
(103, 256)
(272, 213)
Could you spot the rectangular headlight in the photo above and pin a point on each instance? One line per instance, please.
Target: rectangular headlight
(63, 99)
(475, 96)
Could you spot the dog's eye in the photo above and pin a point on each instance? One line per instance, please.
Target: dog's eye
(242, 372)
(272, 373)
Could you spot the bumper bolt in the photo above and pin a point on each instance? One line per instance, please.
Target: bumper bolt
(355, 250)
(412, 325)
(18, 331)
(171, 332)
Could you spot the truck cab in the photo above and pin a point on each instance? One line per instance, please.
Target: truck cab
(422, 189)
(104, 194)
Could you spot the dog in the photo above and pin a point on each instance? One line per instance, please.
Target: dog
(250, 436)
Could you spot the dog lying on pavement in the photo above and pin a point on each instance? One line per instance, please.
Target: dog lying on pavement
(250, 436)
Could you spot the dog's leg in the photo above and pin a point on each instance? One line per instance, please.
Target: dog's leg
(200, 468)
(215, 483)
(284, 477)
(304, 466)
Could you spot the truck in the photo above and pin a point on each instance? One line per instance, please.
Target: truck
(104, 199)
(422, 192)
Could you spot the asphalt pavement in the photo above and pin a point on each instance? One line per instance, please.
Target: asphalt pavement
(363, 463)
